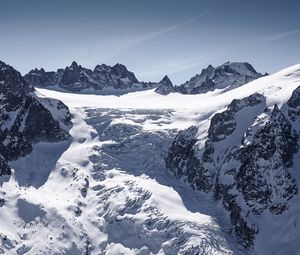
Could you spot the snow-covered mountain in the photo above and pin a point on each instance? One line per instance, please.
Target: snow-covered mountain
(103, 79)
(26, 119)
(227, 76)
(246, 156)
(162, 173)
(165, 86)
(117, 80)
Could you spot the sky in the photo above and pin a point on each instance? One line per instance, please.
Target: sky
(153, 38)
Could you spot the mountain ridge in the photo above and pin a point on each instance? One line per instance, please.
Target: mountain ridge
(26, 119)
(205, 173)
(117, 79)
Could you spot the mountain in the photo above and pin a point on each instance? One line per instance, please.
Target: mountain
(39, 77)
(75, 78)
(118, 80)
(247, 160)
(208, 173)
(227, 76)
(165, 86)
(26, 119)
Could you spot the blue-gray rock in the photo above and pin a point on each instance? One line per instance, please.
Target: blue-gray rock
(25, 118)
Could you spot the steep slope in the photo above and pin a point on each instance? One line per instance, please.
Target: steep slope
(117, 80)
(165, 86)
(227, 76)
(26, 119)
(240, 156)
(41, 78)
(110, 191)
(103, 79)
(246, 159)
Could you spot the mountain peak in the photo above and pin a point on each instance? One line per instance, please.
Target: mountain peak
(122, 72)
(74, 64)
(12, 81)
(226, 76)
(166, 80)
(4, 67)
(121, 66)
(165, 86)
(240, 67)
(102, 67)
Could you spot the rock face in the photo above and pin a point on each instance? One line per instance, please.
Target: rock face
(165, 86)
(75, 78)
(117, 79)
(227, 76)
(39, 77)
(294, 105)
(245, 160)
(26, 118)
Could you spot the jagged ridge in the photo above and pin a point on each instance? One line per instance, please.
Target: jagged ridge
(245, 161)
(26, 118)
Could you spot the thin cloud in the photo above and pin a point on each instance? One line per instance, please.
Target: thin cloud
(276, 37)
(156, 34)
(174, 67)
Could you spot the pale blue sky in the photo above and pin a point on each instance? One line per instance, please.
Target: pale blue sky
(152, 38)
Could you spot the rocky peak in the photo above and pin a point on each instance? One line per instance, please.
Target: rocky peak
(119, 68)
(226, 76)
(276, 133)
(12, 82)
(41, 78)
(166, 81)
(26, 119)
(38, 71)
(224, 123)
(74, 76)
(165, 86)
(121, 71)
(102, 67)
(246, 162)
(74, 65)
(77, 78)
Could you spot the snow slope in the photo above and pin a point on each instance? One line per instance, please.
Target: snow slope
(277, 88)
(95, 200)
(109, 192)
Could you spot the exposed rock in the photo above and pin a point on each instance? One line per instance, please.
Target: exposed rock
(117, 79)
(266, 154)
(181, 157)
(26, 118)
(76, 78)
(41, 78)
(246, 159)
(294, 105)
(227, 76)
(165, 86)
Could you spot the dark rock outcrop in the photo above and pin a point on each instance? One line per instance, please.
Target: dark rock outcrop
(182, 160)
(244, 162)
(75, 78)
(227, 76)
(26, 118)
(165, 86)
(294, 105)
(117, 79)
(41, 78)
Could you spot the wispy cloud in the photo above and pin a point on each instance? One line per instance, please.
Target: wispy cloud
(155, 34)
(276, 37)
(174, 66)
